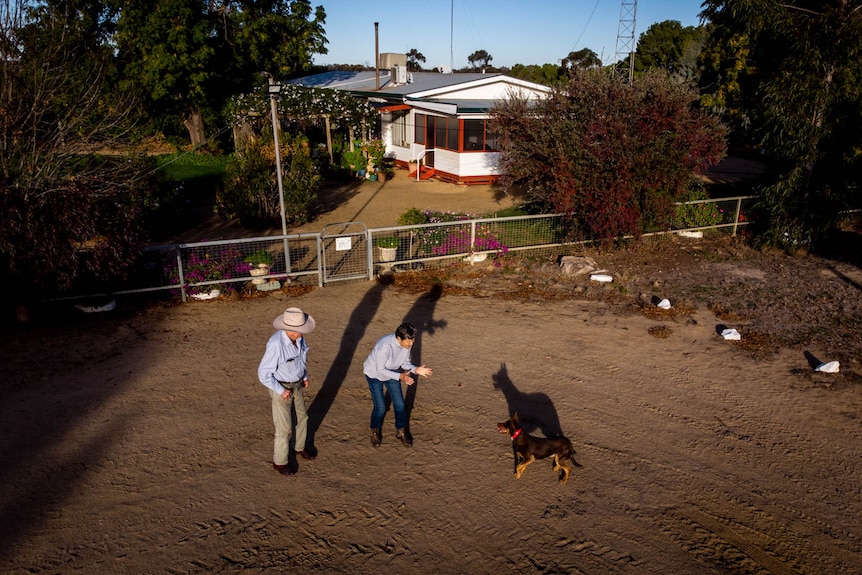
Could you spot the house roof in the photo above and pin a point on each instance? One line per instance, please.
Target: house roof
(366, 81)
(448, 93)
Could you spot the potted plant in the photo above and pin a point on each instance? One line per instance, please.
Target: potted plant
(355, 160)
(259, 262)
(388, 246)
(375, 150)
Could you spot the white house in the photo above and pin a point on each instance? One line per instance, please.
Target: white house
(436, 118)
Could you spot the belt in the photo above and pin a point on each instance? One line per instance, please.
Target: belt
(288, 383)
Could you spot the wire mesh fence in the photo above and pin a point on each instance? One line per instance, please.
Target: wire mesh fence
(344, 249)
(350, 251)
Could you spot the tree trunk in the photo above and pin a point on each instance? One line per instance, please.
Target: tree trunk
(243, 135)
(194, 123)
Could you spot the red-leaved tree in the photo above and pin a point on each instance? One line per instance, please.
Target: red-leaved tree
(613, 156)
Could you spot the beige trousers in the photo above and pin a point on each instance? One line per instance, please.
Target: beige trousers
(282, 421)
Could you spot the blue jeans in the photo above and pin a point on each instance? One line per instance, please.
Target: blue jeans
(394, 388)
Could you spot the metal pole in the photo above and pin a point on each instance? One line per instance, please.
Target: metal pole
(376, 60)
(273, 96)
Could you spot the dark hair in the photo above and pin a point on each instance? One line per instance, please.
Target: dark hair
(405, 331)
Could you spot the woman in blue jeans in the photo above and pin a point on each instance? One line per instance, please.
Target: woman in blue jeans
(389, 365)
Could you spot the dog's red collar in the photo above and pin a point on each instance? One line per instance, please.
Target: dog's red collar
(516, 434)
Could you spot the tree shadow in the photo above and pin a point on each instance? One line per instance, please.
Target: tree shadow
(354, 331)
(535, 410)
(421, 315)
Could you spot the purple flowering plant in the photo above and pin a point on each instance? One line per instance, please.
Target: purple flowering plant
(210, 263)
(446, 240)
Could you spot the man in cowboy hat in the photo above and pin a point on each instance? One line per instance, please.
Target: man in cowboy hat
(282, 370)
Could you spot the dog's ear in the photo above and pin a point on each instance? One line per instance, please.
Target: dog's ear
(515, 416)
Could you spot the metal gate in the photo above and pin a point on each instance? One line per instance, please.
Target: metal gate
(344, 252)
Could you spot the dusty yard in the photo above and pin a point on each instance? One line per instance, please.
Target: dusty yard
(139, 441)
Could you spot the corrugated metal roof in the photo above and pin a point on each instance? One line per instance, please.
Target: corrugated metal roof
(365, 81)
(423, 90)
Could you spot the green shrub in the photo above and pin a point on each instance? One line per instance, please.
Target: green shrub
(696, 215)
(251, 187)
(411, 217)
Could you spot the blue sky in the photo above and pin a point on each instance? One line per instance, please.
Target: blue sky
(512, 32)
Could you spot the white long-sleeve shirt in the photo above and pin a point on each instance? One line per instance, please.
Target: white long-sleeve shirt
(386, 358)
(282, 361)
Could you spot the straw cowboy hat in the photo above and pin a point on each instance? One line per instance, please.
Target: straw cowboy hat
(294, 319)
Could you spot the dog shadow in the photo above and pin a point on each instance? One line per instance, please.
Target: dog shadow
(535, 410)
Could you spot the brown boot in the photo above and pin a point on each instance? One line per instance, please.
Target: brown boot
(375, 436)
(405, 437)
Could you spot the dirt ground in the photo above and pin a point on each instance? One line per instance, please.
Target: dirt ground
(139, 441)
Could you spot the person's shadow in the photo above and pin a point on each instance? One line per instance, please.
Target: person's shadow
(354, 331)
(421, 315)
(535, 410)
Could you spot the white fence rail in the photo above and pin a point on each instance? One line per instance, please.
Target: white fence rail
(350, 251)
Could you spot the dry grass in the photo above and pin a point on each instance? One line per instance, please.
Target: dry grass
(660, 331)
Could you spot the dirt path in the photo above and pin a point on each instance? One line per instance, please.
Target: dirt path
(375, 204)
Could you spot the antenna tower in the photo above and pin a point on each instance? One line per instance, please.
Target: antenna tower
(626, 41)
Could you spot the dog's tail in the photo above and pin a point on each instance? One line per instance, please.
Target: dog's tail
(572, 457)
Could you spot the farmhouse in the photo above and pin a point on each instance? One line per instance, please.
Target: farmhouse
(438, 120)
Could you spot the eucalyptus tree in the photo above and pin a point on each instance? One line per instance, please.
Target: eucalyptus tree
(479, 57)
(787, 74)
(414, 56)
(584, 58)
(188, 57)
(672, 47)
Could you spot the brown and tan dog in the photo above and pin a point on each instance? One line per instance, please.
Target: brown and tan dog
(528, 449)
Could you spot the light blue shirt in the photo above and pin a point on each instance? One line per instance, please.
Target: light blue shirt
(386, 358)
(282, 361)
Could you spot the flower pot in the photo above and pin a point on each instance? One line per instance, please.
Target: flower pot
(372, 177)
(212, 294)
(260, 270)
(388, 254)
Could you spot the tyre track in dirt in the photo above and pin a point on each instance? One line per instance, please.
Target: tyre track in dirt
(684, 411)
(696, 458)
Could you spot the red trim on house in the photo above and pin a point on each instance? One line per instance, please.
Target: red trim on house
(449, 178)
(393, 108)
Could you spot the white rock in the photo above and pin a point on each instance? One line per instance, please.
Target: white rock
(830, 367)
(731, 334)
(604, 278)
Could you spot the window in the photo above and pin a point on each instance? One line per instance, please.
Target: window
(477, 138)
(452, 134)
(420, 128)
(443, 132)
(399, 127)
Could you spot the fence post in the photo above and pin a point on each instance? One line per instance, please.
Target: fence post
(319, 241)
(369, 253)
(181, 275)
(736, 217)
(472, 237)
